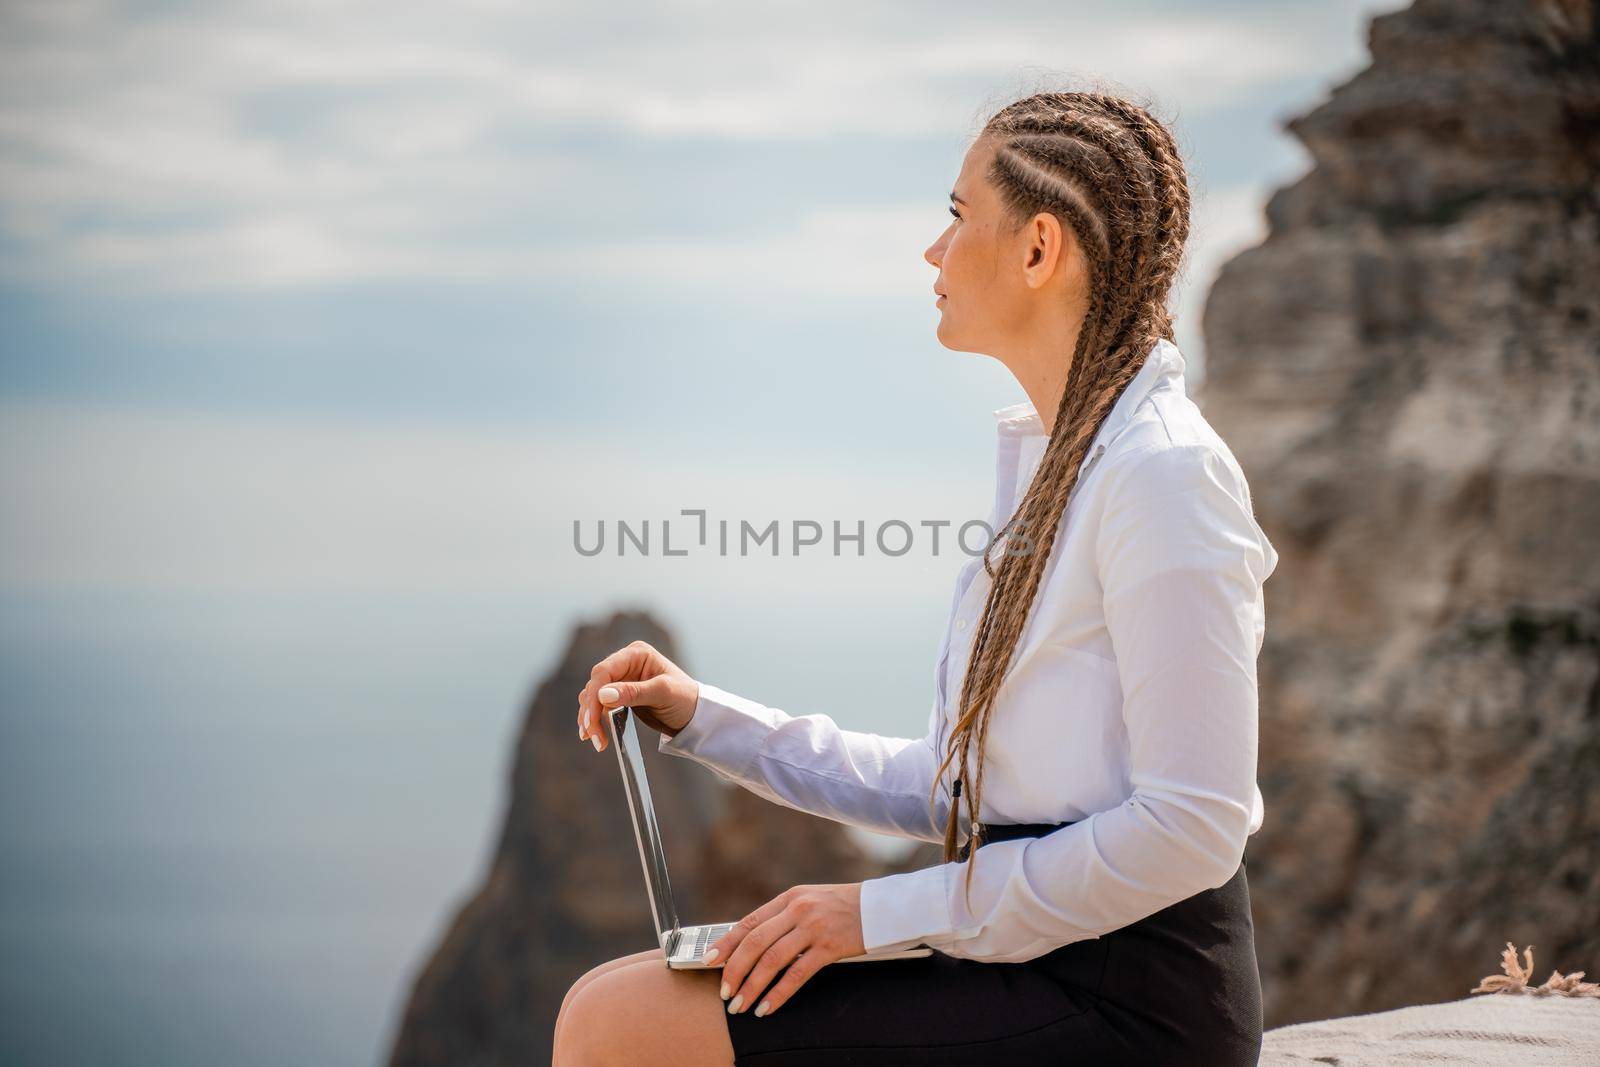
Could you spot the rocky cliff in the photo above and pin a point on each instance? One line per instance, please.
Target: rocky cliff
(565, 892)
(1408, 368)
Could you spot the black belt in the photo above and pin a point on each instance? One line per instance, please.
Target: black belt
(1010, 831)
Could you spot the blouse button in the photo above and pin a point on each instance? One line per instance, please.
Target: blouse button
(961, 624)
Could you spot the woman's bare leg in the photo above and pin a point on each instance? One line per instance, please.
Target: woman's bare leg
(645, 1013)
(648, 955)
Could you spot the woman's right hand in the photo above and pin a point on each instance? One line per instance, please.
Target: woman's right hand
(646, 681)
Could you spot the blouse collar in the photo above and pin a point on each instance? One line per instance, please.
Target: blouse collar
(1022, 439)
(1164, 362)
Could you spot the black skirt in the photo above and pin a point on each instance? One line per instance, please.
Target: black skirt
(1177, 987)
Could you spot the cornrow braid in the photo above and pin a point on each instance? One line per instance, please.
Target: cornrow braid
(1156, 141)
(1112, 173)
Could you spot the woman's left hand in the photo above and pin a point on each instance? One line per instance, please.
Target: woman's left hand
(802, 929)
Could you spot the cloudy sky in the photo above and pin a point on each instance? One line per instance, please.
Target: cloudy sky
(321, 323)
(496, 245)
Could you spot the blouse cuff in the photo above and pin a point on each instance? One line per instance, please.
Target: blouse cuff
(903, 910)
(725, 733)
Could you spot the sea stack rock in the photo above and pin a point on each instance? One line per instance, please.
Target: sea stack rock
(565, 891)
(1408, 368)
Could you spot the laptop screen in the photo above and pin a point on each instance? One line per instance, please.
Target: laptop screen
(625, 736)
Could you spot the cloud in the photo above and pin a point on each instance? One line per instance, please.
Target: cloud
(301, 144)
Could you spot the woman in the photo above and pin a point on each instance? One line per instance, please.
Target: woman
(1104, 652)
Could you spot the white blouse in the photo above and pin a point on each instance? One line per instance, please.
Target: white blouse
(1130, 705)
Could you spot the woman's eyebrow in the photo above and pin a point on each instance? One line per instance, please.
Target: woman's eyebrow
(957, 199)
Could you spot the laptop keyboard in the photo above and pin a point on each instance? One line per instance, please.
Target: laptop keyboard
(708, 934)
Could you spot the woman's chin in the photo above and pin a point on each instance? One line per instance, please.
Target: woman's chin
(945, 331)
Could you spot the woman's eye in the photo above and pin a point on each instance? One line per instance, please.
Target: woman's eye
(955, 213)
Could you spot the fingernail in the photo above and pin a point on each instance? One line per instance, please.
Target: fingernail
(712, 955)
(580, 731)
(763, 1009)
(724, 990)
(608, 693)
(733, 1005)
(596, 740)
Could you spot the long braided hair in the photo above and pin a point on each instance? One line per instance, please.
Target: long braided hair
(1110, 171)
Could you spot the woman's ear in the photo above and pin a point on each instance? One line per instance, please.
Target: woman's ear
(1049, 250)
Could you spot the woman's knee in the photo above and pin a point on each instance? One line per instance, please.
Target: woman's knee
(605, 968)
(645, 1013)
(647, 956)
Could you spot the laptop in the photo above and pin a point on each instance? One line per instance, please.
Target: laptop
(684, 946)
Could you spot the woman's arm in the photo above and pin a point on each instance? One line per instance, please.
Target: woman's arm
(1181, 562)
(809, 763)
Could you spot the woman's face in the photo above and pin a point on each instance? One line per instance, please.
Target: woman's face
(996, 287)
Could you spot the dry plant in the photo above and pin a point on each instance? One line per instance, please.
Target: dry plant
(1515, 980)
